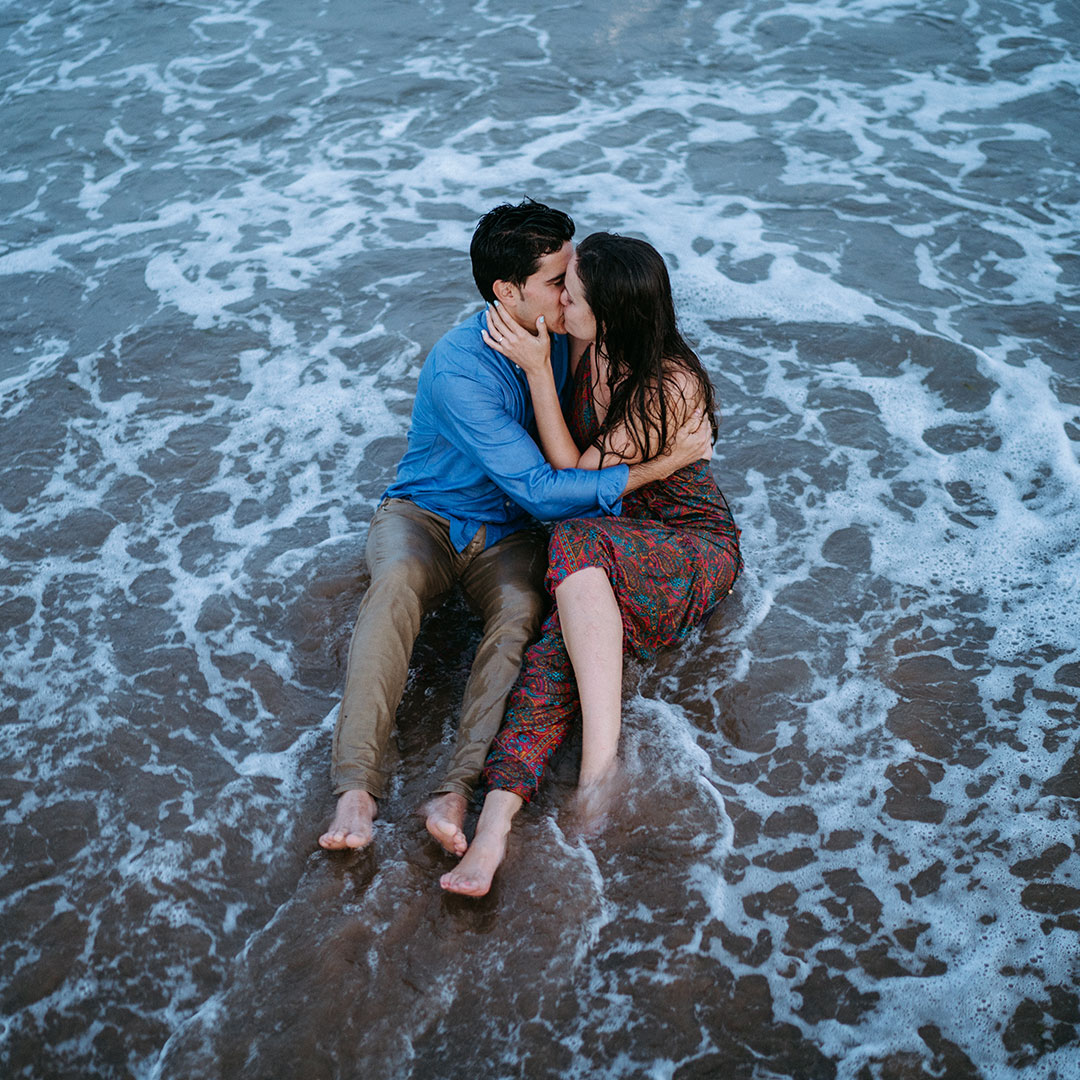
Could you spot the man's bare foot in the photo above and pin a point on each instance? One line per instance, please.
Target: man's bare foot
(351, 828)
(472, 876)
(445, 819)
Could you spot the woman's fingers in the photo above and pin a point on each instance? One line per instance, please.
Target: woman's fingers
(495, 325)
(530, 352)
(504, 322)
(494, 343)
(506, 316)
(500, 325)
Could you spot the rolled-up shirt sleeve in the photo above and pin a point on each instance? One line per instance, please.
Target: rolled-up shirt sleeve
(473, 416)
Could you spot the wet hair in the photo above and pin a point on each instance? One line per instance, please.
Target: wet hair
(510, 241)
(626, 285)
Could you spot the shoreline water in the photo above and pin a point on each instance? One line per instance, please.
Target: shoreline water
(229, 233)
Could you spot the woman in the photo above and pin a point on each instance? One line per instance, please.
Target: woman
(639, 581)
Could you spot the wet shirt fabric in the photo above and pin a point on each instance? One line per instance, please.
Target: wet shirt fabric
(671, 556)
(472, 456)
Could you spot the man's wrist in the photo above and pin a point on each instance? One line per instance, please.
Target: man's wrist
(645, 472)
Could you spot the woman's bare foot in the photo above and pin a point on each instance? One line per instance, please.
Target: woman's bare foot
(593, 800)
(445, 819)
(472, 876)
(352, 827)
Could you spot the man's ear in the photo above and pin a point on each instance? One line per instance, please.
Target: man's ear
(504, 291)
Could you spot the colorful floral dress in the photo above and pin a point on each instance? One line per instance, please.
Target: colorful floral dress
(672, 555)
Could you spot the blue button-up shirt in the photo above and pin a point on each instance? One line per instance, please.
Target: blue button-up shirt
(472, 456)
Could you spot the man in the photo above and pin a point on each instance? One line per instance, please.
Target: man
(462, 511)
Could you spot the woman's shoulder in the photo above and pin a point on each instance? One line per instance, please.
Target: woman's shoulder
(680, 384)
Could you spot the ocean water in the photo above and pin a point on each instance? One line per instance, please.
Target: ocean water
(230, 231)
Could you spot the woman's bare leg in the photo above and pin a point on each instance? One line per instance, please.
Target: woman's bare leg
(472, 876)
(593, 633)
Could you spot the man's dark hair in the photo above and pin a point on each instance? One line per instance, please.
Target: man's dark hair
(510, 241)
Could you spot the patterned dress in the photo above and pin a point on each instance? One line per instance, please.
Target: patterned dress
(672, 556)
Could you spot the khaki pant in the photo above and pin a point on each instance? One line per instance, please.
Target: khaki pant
(413, 565)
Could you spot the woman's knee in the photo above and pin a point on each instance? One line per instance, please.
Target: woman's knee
(577, 546)
(586, 582)
(571, 531)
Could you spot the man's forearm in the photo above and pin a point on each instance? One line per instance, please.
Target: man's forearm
(645, 472)
(692, 442)
(685, 452)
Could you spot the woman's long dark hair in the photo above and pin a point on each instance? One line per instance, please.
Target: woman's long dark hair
(627, 287)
